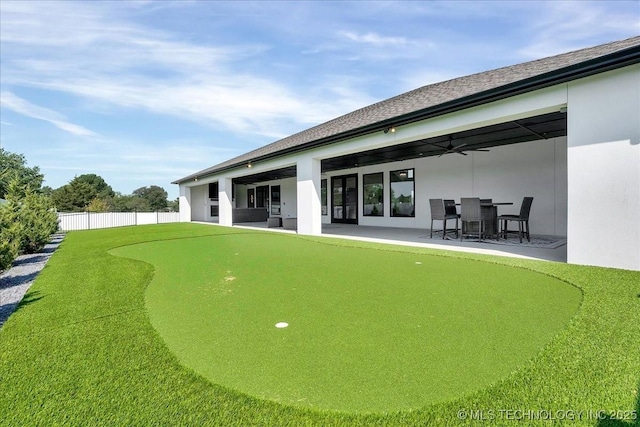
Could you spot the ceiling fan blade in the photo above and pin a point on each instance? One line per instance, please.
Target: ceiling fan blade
(461, 152)
(460, 146)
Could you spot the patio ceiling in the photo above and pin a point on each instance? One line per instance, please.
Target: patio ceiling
(272, 175)
(545, 126)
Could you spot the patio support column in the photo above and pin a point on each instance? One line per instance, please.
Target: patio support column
(308, 191)
(185, 203)
(225, 192)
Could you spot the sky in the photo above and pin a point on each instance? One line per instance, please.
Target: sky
(146, 92)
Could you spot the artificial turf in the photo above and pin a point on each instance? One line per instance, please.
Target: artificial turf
(369, 330)
(81, 350)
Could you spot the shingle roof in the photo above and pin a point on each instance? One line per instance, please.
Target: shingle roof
(425, 101)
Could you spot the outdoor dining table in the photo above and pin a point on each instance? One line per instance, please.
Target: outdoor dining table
(490, 216)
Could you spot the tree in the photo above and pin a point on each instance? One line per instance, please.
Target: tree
(98, 205)
(154, 195)
(73, 197)
(10, 231)
(27, 220)
(9, 247)
(80, 191)
(174, 205)
(103, 190)
(46, 190)
(129, 203)
(13, 168)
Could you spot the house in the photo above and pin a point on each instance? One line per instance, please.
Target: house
(563, 129)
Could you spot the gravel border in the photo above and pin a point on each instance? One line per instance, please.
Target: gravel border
(15, 282)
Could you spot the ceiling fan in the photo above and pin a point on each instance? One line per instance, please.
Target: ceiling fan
(457, 149)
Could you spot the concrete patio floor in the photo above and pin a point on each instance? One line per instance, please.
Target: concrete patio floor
(420, 238)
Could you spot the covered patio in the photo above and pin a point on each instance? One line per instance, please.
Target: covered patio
(504, 161)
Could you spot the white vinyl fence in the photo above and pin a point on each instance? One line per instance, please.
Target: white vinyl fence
(92, 220)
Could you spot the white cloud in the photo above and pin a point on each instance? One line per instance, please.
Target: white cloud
(129, 164)
(373, 39)
(571, 25)
(91, 52)
(21, 106)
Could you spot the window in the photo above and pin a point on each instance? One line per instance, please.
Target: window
(275, 200)
(213, 190)
(262, 196)
(215, 209)
(323, 196)
(372, 194)
(402, 193)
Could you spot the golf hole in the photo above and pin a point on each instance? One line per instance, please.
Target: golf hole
(281, 325)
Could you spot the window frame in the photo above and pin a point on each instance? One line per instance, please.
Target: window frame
(276, 203)
(410, 172)
(380, 197)
(215, 194)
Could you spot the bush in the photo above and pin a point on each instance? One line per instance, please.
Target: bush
(10, 234)
(8, 250)
(27, 221)
(39, 221)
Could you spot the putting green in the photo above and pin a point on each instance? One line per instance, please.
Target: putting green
(369, 330)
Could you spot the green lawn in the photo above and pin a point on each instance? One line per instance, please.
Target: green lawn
(108, 340)
(369, 330)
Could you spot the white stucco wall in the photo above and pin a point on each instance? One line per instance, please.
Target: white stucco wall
(185, 203)
(241, 195)
(289, 198)
(604, 169)
(199, 203)
(225, 201)
(308, 195)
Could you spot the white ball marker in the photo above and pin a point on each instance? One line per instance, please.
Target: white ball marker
(281, 325)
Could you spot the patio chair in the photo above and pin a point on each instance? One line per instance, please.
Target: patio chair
(438, 213)
(471, 213)
(522, 220)
(450, 207)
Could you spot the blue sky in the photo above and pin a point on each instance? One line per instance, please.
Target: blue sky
(146, 92)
